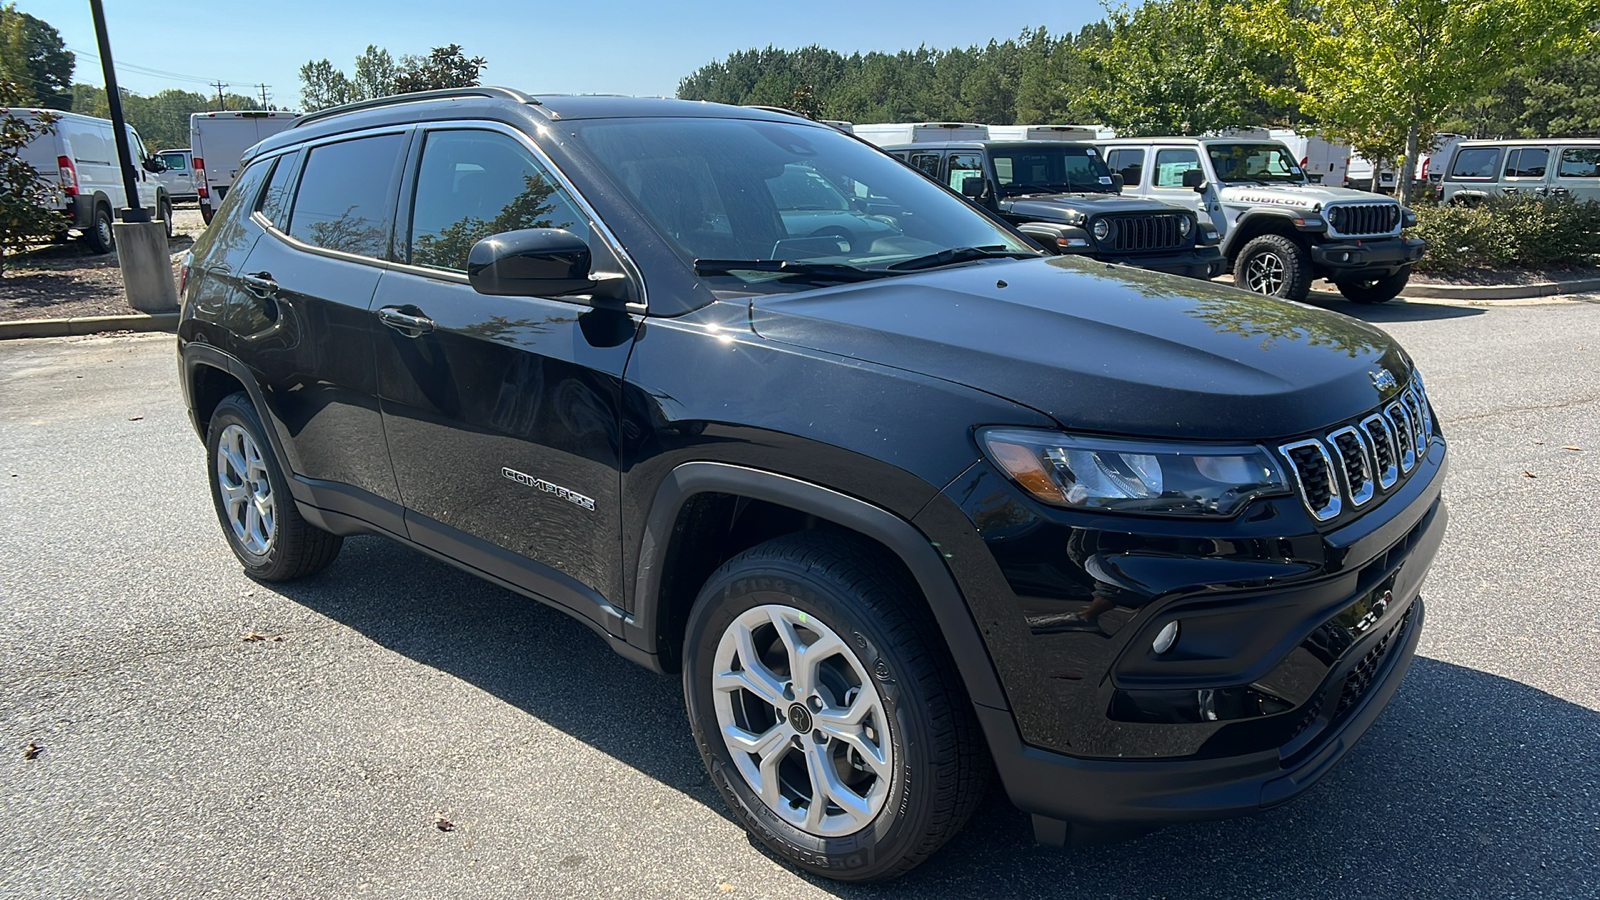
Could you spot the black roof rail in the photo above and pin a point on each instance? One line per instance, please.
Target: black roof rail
(499, 93)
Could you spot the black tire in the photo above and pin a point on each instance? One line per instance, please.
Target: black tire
(296, 547)
(1275, 266)
(99, 236)
(1374, 290)
(936, 770)
(166, 215)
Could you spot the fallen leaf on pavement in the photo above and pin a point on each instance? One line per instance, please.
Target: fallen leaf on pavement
(1538, 442)
(443, 823)
(1527, 474)
(31, 751)
(724, 887)
(135, 418)
(1572, 447)
(254, 636)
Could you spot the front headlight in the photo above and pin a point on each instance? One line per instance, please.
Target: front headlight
(1102, 230)
(1150, 477)
(1185, 225)
(1408, 219)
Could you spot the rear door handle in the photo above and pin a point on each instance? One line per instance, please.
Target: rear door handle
(405, 323)
(260, 284)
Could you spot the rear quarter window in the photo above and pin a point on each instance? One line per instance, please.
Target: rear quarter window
(1475, 162)
(1580, 162)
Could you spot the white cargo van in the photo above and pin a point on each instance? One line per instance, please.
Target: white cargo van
(218, 139)
(886, 133)
(1430, 165)
(178, 175)
(1049, 133)
(78, 158)
(1324, 161)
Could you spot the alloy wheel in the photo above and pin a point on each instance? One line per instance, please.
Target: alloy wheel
(1264, 273)
(803, 720)
(246, 489)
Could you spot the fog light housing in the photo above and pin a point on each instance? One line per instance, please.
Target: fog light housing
(1165, 638)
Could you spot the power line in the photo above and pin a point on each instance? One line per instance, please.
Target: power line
(161, 73)
(221, 86)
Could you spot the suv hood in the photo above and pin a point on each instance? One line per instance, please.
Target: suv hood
(1295, 196)
(1052, 207)
(1103, 348)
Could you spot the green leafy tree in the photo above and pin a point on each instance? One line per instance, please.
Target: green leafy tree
(1560, 98)
(803, 100)
(374, 74)
(443, 67)
(322, 86)
(24, 194)
(1385, 73)
(1179, 67)
(34, 59)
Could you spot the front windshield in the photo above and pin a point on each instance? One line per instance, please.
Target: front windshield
(740, 189)
(1047, 168)
(1259, 163)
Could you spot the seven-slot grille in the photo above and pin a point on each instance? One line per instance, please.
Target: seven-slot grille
(1151, 232)
(1356, 219)
(1351, 464)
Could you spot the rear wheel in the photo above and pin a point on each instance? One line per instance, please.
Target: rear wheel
(166, 215)
(98, 235)
(1374, 290)
(258, 516)
(1275, 266)
(827, 711)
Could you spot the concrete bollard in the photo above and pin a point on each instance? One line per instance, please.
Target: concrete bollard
(146, 267)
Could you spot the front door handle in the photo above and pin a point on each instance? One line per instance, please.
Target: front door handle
(405, 323)
(260, 284)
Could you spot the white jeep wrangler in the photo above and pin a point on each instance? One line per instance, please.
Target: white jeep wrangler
(1279, 231)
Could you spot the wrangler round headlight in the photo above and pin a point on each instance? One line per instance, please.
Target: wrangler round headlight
(1185, 225)
(1154, 478)
(1102, 230)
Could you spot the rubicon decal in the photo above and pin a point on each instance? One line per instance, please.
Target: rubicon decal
(568, 495)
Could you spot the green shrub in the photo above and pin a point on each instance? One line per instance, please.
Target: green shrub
(1508, 232)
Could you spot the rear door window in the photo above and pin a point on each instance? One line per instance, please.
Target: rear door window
(1475, 162)
(1171, 163)
(475, 183)
(1129, 163)
(344, 199)
(1580, 162)
(1527, 162)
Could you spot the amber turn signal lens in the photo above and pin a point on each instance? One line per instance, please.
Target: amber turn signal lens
(1024, 465)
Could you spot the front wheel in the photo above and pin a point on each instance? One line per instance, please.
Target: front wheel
(1275, 266)
(259, 519)
(826, 710)
(1374, 290)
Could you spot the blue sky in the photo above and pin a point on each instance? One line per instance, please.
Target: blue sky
(597, 46)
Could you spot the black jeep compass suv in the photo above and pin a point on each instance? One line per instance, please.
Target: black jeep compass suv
(892, 501)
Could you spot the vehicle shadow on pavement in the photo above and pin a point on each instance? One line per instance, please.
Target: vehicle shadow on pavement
(1469, 785)
(1400, 311)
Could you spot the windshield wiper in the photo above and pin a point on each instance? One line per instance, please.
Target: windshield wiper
(960, 255)
(831, 272)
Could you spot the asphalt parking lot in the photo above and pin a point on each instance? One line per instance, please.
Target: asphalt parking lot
(177, 758)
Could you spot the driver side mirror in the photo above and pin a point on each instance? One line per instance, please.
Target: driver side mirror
(533, 262)
(1195, 180)
(972, 187)
(1117, 181)
(154, 165)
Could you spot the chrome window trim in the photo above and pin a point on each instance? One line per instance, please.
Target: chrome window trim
(1358, 496)
(1334, 504)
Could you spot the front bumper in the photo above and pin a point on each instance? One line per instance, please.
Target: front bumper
(1201, 262)
(1371, 258)
(1090, 798)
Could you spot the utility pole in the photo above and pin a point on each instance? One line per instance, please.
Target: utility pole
(133, 212)
(220, 84)
(265, 97)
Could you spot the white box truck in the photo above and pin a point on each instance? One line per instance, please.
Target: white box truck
(219, 139)
(78, 159)
(886, 133)
(1324, 161)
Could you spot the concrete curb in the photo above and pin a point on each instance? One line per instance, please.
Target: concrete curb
(35, 328)
(1500, 292)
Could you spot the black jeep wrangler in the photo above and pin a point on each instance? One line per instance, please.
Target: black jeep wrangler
(1062, 195)
(890, 505)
